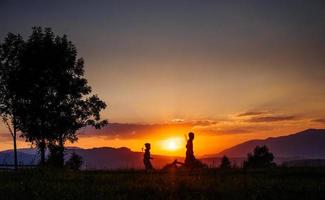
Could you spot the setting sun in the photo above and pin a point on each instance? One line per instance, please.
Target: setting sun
(172, 144)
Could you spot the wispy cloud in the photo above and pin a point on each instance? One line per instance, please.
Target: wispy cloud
(178, 120)
(134, 130)
(228, 131)
(250, 122)
(233, 126)
(203, 122)
(264, 116)
(251, 113)
(274, 118)
(5, 137)
(320, 120)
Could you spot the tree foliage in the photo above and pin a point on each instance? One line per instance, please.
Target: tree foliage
(260, 158)
(55, 98)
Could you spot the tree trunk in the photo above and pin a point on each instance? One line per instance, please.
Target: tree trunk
(41, 147)
(61, 145)
(15, 147)
(13, 132)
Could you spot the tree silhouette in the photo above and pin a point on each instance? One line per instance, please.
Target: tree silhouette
(225, 163)
(56, 98)
(10, 54)
(260, 158)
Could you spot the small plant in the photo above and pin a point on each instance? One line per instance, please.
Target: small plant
(75, 162)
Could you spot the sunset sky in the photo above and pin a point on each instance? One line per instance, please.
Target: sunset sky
(229, 71)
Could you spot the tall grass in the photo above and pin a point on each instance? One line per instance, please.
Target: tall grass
(278, 183)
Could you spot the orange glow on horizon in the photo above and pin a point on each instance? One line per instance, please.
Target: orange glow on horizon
(168, 139)
(173, 144)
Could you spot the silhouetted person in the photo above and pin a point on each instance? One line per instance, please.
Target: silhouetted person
(147, 158)
(190, 159)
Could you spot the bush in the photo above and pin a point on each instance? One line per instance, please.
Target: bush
(225, 163)
(260, 158)
(75, 162)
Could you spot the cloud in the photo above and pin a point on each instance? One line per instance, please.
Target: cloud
(273, 118)
(249, 125)
(5, 137)
(203, 122)
(264, 116)
(178, 120)
(121, 130)
(231, 131)
(193, 122)
(321, 120)
(135, 131)
(233, 127)
(251, 113)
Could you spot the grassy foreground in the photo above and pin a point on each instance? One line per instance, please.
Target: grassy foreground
(281, 183)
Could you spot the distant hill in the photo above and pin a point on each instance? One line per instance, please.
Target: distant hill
(309, 143)
(95, 158)
(118, 158)
(7, 158)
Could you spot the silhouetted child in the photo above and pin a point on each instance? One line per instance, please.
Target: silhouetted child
(147, 158)
(190, 159)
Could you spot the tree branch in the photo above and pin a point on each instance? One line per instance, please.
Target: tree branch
(5, 120)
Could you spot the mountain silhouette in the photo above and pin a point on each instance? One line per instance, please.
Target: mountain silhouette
(7, 158)
(305, 144)
(94, 158)
(308, 144)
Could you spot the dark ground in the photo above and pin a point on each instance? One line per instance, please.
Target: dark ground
(280, 183)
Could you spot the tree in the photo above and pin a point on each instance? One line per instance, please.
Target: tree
(260, 158)
(56, 99)
(10, 55)
(225, 163)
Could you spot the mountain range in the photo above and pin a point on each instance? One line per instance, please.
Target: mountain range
(94, 158)
(308, 144)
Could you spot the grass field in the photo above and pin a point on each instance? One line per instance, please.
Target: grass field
(280, 183)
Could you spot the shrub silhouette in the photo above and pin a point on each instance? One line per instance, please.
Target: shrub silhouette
(225, 163)
(260, 158)
(75, 162)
